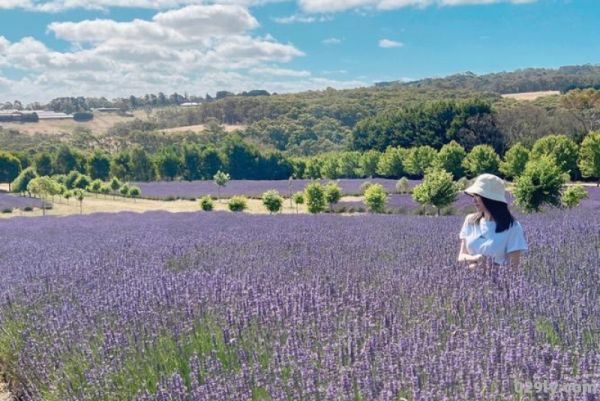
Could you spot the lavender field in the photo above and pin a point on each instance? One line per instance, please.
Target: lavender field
(251, 188)
(225, 306)
(10, 201)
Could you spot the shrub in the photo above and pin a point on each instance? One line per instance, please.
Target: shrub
(124, 190)
(115, 184)
(206, 203)
(272, 201)
(573, 195)
(237, 203)
(364, 186)
(83, 116)
(72, 178)
(20, 183)
(437, 189)
(134, 192)
(83, 181)
(105, 189)
(539, 184)
(333, 194)
(95, 186)
(402, 186)
(589, 156)
(7, 210)
(315, 197)
(375, 198)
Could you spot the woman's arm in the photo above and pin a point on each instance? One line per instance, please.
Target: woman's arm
(464, 256)
(514, 259)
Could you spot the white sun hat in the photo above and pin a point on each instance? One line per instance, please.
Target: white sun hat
(488, 186)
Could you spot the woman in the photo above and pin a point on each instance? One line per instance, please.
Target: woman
(492, 235)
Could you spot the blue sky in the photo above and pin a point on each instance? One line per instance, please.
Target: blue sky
(120, 47)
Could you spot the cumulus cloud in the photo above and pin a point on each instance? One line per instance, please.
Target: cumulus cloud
(387, 43)
(322, 6)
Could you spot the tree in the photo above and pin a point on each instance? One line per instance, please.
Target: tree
(99, 166)
(210, 163)
(43, 187)
(333, 194)
(418, 159)
(349, 164)
(191, 162)
(589, 156)
(272, 201)
(437, 189)
(83, 182)
(314, 194)
(375, 198)
(481, 159)
(450, 158)
(573, 195)
(134, 192)
(66, 160)
(95, 186)
(141, 166)
(124, 190)
(514, 161)
(330, 167)
(221, 179)
(562, 149)
(43, 163)
(391, 162)
(237, 203)
(79, 194)
(10, 167)
(539, 184)
(71, 179)
(115, 184)
(368, 163)
(168, 164)
(298, 198)
(20, 183)
(120, 165)
(584, 105)
(206, 203)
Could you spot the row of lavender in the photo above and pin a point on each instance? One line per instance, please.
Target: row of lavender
(238, 307)
(250, 188)
(10, 201)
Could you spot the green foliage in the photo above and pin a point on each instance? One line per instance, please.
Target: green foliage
(514, 161)
(105, 189)
(437, 189)
(375, 198)
(134, 192)
(67, 160)
(349, 164)
(221, 178)
(589, 156)
(462, 183)
(419, 159)
(115, 184)
(450, 158)
(237, 203)
(272, 201)
(314, 195)
(83, 116)
(539, 184)
(364, 186)
(82, 182)
(333, 193)
(369, 161)
(99, 166)
(10, 167)
(330, 168)
(482, 159)
(168, 164)
(298, 198)
(562, 149)
(124, 190)
(141, 166)
(391, 162)
(43, 163)
(206, 203)
(402, 186)
(95, 186)
(572, 195)
(44, 186)
(22, 181)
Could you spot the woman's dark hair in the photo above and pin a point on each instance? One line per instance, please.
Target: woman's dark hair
(500, 214)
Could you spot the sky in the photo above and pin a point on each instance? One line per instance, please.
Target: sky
(117, 48)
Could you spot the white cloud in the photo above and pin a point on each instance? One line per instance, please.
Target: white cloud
(322, 6)
(387, 43)
(332, 41)
(280, 72)
(302, 19)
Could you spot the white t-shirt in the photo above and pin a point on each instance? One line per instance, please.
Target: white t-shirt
(483, 239)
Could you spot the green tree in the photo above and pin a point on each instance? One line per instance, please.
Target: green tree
(43, 163)
(43, 187)
(514, 161)
(206, 203)
(572, 195)
(330, 167)
(539, 184)
(314, 195)
(333, 194)
(237, 203)
(124, 190)
(482, 159)
(83, 182)
(134, 192)
(79, 194)
(272, 201)
(120, 165)
(437, 189)
(349, 164)
(298, 198)
(95, 186)
(67, 160)
(20, 183)
(210, 163)
(10, 167)
(115, 184)
(191, 162)
(168, 164)
(221, 179)
(450, 158)
(391, 162)
(589, 156)
(141, 166)
(562, 149)
(368, 163)
(375, 198)
(419, 159)
(99, 166)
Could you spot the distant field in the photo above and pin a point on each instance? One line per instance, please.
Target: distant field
(530, 95)
(200, 127)
(100, 124)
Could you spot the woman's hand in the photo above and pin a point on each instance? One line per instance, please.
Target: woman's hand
(474, 260)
